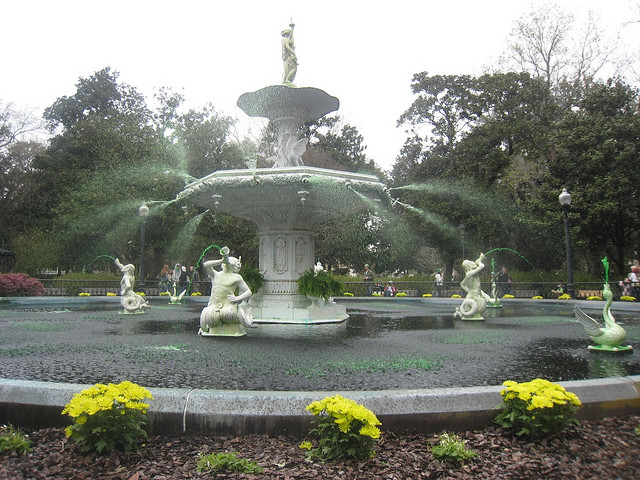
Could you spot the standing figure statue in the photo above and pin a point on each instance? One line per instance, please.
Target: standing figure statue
(223, 316)
(131, 301)
(475, 302)
(289, 56)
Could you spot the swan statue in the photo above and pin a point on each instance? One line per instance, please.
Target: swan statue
(612, 335)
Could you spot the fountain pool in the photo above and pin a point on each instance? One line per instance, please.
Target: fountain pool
(385, 344)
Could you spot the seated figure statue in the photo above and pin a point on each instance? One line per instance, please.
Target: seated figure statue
(475, 302)
(223, 315)
(131, 301)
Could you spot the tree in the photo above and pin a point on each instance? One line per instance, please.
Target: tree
(596, 149)
(546, 44)
(447, 104)
(336, 145)
(204, 136)
(17, 187)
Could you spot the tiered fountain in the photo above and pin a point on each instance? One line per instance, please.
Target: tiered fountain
(287, 201)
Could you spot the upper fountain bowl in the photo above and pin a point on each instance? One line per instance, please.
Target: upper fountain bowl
(276, 101)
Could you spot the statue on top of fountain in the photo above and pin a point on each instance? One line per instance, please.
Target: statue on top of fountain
(475, 302)
(289, 56)
(130, 301)
(223, 316)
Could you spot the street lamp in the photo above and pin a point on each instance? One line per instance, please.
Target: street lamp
(143, 211)
(565, 201)
(462, 229)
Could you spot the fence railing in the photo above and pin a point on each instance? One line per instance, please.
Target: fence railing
(55, 287)
(517, 289)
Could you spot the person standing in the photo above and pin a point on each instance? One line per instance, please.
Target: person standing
(163, 279)
(194, 279)
(367, 277)
(634, 278)
(503, 279)
(439, 278)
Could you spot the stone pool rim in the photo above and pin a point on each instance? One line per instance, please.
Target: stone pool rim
(238, 412)
(241, 412)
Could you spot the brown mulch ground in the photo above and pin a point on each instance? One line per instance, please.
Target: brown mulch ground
(603, 449)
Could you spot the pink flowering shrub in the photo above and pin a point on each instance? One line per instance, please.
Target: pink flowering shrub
(19, 285)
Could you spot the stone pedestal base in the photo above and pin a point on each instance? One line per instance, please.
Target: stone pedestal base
(224, 330)
(294, 309)
(607, 348)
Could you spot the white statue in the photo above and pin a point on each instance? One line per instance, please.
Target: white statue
(223, 310)
(475, 302)
(131, 301)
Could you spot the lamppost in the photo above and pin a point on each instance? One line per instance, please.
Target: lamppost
(143, 211)
(565, 201)
(462, 229)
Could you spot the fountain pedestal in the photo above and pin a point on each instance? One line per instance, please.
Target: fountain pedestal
(286, 204)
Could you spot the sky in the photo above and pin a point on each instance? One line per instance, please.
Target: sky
(365, 53)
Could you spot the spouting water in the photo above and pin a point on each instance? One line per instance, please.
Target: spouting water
(180, 244)
(98, 257)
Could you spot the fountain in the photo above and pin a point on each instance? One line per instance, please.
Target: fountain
(287, 201)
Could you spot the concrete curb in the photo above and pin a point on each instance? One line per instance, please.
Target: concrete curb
(38, 404)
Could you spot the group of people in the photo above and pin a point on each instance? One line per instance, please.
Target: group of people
(630, 286)
(179, 275)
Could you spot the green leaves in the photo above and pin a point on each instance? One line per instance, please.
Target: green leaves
(226, 461)
(13, 440)
(451, 448)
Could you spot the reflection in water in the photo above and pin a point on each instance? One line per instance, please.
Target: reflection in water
(601, 366)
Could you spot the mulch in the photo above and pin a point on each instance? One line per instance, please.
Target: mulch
(604, 449)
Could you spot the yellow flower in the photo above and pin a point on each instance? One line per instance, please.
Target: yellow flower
(306, 445)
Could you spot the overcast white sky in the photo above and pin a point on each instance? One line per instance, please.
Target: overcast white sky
(362, 52)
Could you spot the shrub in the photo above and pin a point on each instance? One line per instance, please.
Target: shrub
(196, 294)
(427, 295)
(564, 296)
(627, 298)
(19, 285)
(347, 294)
(537, 297)
(537, 408)
(321, 284)
(111, 294)
(12, 440)
(594, 297)
(451, 448)
(108, 417)
(508, 295)
(455, 295)
(84, 294)
(401, 294)
(252, 277)
(344, 429)
(223, 461)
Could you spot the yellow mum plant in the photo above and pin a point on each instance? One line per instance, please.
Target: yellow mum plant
(84, 294)
(627, 298)
(564, 296)
(111, 294)
(344, 428)
(537, 408)
(106, 417)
